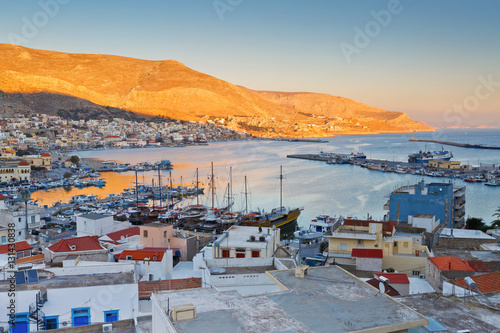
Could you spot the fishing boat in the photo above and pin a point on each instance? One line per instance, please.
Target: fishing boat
(317, 228)
(281, 217)
(426, 156)
(492, 183)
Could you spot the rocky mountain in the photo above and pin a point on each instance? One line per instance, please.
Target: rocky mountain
(58, 82)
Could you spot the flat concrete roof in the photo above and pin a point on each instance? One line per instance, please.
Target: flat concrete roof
(452, 313)
(95, 216)
(239, 237)
(73, 281)
(466, 233)
(327, 299)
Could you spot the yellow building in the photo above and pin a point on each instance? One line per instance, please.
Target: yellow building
(44, 160)
(403, 252)
(15, 171)
(452, 165)
(7, 152)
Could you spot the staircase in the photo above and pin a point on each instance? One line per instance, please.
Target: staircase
(35, 311)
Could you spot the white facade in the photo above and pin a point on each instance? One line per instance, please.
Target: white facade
(24, 218)
(247, 242)
(123, 298)
(96, 224)
(428, 222)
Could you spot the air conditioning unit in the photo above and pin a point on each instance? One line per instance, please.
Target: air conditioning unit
(107, 328)
(360, 241)
(422, 276)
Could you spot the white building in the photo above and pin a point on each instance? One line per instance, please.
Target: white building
(98, 224)
(70, 301)
(426, 221)
(24, 216)
(247, 242)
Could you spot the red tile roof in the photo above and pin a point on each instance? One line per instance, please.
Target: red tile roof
(367, 253)
(486, 283)
(140, 255)
(395, 277)
(19, 246)
(450, 264)
(85, 243)
(24, 163)
(46, 155)
(117, 235)
(388, 289)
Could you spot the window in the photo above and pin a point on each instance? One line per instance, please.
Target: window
(405, 245)
(19, 219)
(395, 244)
(32, 219)
(51, 322)
(110, 316)
(164, 234)
(255, 254)
(225, 253)
(145, 234)
(80, 316)
(240, 254)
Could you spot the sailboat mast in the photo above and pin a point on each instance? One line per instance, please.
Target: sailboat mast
(230, 190)
(153, 190)
(171, 196)
(281, 187)
(159, 182)
(213, 188)
(197, 198)
(136, 191)
(246, 196)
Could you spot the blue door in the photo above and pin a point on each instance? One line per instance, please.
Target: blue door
(80, 316)
(21, 324)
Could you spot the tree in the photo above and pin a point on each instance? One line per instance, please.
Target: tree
(323, 246)
(474, 223)
(67, 174)
(74, 159)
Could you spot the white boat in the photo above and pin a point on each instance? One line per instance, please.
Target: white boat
(317, 228)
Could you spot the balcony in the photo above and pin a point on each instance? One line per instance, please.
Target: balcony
(459, 204)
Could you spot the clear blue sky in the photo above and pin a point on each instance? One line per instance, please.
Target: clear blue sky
(423, 59)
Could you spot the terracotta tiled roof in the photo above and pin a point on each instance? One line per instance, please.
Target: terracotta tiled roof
(450, 264)
(19, 246)
(38, 257)
(395, 277)
(367, 253)
(388, 289)
(117, 235)
(140, 255)
(24, 163)
(85, 243)
(486, 283)
(46, 155)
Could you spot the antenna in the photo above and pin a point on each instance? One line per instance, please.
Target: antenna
(381, 287)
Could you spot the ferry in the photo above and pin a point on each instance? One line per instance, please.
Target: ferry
(423, 157)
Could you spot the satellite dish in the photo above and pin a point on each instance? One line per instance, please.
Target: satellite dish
(381, 287)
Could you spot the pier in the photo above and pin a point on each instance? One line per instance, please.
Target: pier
(456, 144)
(473, 176)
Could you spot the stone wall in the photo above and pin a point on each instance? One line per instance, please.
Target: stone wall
(463, 243)
(148, 287)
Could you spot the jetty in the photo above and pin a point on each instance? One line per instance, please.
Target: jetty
(457, 144)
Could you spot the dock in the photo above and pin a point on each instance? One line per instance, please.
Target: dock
(456, 144)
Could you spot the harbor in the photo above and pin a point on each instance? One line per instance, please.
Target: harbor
(457, 144)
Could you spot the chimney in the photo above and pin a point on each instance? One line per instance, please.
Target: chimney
(169, 243)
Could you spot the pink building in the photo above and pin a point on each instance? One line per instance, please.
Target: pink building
(160, 235)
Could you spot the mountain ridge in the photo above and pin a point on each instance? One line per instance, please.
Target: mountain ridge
(168, 88)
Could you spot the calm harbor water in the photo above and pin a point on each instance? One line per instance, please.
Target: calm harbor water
(318, 187)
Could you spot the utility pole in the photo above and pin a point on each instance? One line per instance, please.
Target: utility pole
(136, 192)
(159, 182)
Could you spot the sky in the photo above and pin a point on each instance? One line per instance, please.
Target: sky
(438, 61)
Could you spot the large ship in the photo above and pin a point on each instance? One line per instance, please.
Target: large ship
(426, 156)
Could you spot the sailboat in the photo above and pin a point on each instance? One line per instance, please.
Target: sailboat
(280, 217)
